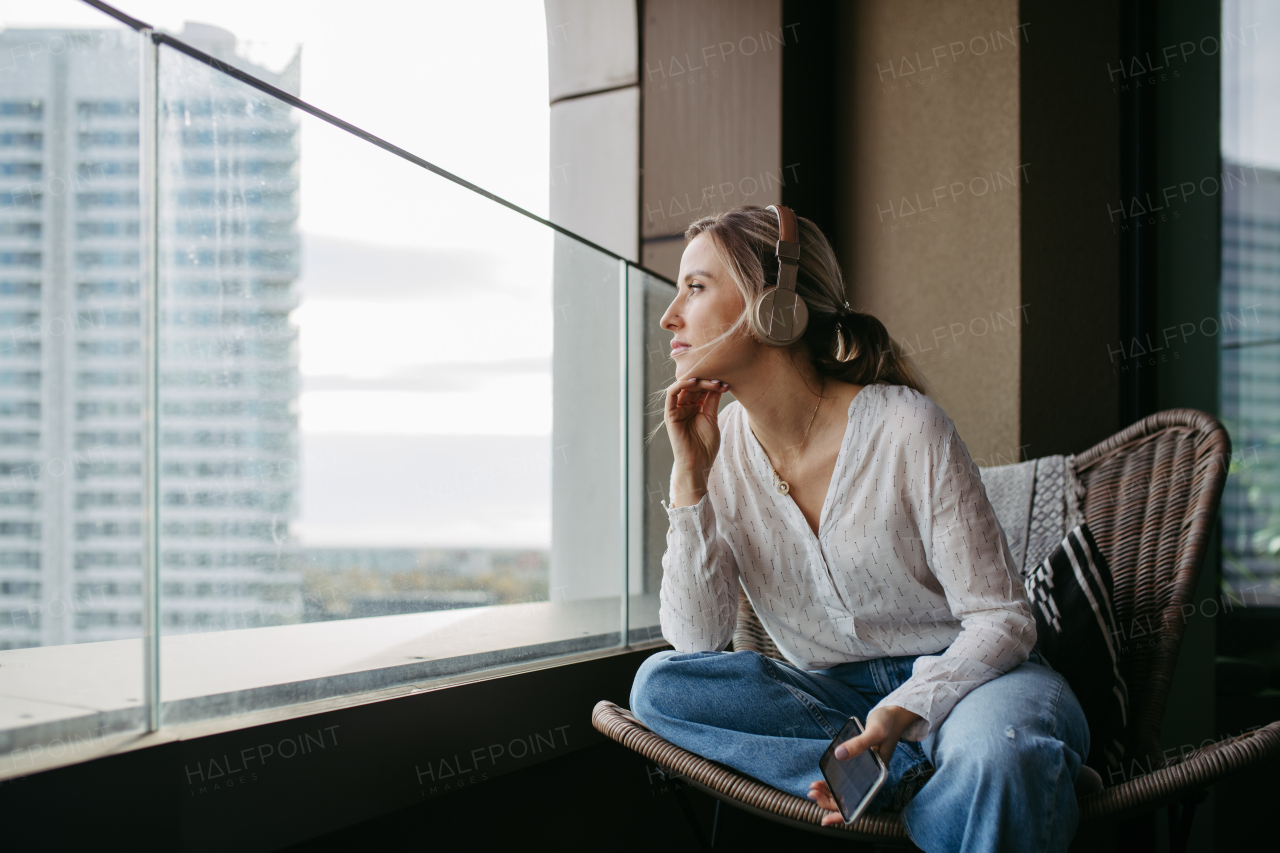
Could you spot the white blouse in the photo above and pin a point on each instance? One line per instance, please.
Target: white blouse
(909, 558)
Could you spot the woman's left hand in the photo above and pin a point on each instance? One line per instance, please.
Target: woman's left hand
(884, 727)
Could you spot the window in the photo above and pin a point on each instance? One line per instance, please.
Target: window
(107, 139)
(108, 378)
(88, 172)
(88, 440)
(28, 230)
(109, 228)
(235, 168)
(112, 288)
(9, 319)
(30, 260)
(94, 349)
(1250, 337)
(19, 379)
(20, 349)
(87, 530)
(33, 141)
(354, 406)
(103, 109)
(259, 138)
(107, 559)
(20, 559)
(28, 171)
(85, 500)
(19, 409)
(18, 288)
(20, 529)
(130, 410)
(22, 109)
(28, 440)
(107, 198)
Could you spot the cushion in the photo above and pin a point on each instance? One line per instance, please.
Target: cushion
(1056, 508)
(1036, 502)
(1009, 489)
(1070, 593)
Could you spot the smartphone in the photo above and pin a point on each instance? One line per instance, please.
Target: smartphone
(853, 781)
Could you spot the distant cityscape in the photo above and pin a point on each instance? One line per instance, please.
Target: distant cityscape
(71, 363)
(340, 583)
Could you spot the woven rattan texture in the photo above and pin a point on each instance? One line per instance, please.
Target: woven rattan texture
(1152, 493)
(1182, 776)
(749, 633)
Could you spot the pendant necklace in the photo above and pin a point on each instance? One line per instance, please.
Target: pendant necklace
(782, 485)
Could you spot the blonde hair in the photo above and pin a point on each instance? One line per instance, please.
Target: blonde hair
(850, 346)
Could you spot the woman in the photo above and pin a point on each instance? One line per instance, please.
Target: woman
(842, 500)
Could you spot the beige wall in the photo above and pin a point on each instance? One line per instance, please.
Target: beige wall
(924, 247)
(711, 89)
(595, 131)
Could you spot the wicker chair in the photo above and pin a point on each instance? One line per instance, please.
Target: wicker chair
(1152, 498)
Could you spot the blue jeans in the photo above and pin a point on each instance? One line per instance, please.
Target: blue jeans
(1006, 757)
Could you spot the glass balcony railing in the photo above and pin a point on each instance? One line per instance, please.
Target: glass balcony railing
(250, 462)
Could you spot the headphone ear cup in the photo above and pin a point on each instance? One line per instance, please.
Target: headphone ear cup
(753, 316)
(779, 317)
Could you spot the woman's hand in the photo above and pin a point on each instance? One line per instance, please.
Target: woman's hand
(883, 729)
(693, 424)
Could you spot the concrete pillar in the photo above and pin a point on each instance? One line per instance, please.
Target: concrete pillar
(595, 121)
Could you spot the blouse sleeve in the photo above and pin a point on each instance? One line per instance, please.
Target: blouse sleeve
(698, 607)
(971, 560)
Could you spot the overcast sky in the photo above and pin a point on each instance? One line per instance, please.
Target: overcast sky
(463, 85)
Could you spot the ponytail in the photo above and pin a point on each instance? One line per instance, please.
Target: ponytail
(857, 349)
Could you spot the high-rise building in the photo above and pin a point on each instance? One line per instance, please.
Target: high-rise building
(1251, 381)
(71, 345)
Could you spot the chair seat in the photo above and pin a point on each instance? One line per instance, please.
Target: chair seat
(1178, 779)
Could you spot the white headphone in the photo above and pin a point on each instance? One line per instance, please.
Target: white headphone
(780, 315)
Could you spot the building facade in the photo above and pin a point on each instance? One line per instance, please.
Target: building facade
(1250, 331)
(71, 366)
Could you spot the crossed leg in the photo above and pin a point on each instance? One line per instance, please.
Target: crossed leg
(760, 716)
(1006, 757)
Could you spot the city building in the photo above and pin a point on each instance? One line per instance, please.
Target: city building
(1250, 322)
(70, 343)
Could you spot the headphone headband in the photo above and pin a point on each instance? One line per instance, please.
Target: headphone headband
(787, 249)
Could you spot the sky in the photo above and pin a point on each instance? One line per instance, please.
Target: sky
(425, 311)
(1251, 82)
(463, 85)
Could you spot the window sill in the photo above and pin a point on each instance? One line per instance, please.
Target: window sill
(89, 693)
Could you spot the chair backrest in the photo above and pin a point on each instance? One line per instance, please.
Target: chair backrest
(1152, 493)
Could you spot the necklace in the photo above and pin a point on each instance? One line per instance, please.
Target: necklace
(782, 485)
